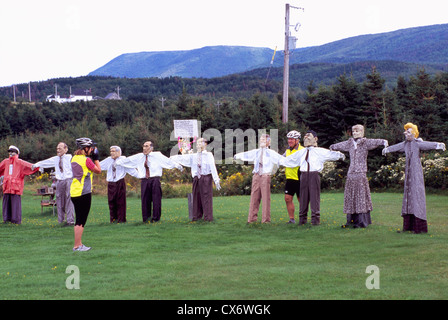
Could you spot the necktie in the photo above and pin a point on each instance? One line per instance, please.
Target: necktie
(306, 159)
(114, 170)
(199, 164)
(147, 167)
(61, 167)
(260, 164)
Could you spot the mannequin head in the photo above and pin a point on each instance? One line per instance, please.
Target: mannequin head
(201, 144)
(410, 131)
(115, 152)
(147, 147)
(265, 141)
(310, 139)
(61, 149)
(13, 151)
(358, 131)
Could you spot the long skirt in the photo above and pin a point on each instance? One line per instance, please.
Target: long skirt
(357, 200)
(414, 224)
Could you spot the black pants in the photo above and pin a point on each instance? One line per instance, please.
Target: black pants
(82, 208)
(116, 196)
(151, 193)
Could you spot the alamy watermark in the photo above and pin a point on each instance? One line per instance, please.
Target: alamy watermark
(73, 280)
(373, 280)
(231, 142)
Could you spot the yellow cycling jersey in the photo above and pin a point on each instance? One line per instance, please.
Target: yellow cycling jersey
(82, 177)
(292, 173)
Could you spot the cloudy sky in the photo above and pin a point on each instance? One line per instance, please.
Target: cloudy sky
(48, 39)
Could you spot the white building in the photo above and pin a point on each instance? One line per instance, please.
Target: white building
(76, 95)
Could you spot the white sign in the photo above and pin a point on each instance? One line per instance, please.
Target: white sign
(186, 128)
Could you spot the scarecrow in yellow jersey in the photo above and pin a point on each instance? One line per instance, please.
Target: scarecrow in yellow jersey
(292, 185)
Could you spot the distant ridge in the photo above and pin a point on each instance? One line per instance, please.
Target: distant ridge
(426, 45)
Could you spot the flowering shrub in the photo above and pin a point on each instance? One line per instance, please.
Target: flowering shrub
(390, 175)
(332, 177)
(435, 172)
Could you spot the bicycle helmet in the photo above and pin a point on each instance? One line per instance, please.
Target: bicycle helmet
(84, 142)
(293, 134)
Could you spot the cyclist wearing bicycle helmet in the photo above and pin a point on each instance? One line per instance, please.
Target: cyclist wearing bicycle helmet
(292, 185)
(84, 163)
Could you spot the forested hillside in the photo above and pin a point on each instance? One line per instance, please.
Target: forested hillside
(329, 110)
(427, 45)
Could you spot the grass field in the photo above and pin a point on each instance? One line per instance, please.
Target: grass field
(226, 259)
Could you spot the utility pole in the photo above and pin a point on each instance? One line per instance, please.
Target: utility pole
(286, 68)
(286, 62)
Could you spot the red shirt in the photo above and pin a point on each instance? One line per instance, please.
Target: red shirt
(14, 171)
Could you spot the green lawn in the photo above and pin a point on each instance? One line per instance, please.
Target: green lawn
(226, 259)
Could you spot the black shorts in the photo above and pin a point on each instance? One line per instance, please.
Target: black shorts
(292, 187)
(82, 207)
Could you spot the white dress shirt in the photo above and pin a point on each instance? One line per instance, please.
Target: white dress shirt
(157, 162)
(316, 158)
(207, 164)
(270, 160)
(120, 171)
(53, 162)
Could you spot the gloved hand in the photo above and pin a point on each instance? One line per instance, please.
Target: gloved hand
(95, 155)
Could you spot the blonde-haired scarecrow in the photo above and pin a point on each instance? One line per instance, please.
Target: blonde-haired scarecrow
(414, 200)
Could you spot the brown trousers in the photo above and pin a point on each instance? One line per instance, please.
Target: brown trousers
(116, 196)
(261, 191)
(203, 198)
(309, 196)
(64, 205)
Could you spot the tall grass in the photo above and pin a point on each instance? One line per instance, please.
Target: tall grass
(226, 259)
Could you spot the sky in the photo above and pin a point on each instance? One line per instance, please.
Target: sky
(46, 39)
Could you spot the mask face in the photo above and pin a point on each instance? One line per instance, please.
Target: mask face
(358, 131)
(114, 154)
(264, 142)
(201, 145)
(310, 140)
(147, 147)
(61, 149)
(409, 134)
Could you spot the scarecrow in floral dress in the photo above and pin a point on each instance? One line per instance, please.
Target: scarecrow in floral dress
(357, 200)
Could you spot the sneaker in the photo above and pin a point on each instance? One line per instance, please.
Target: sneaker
(291, 221)
(82, 248)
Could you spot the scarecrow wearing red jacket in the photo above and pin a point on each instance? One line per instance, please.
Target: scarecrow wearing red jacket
(14, 171)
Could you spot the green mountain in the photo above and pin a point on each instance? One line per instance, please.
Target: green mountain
(421, 45)
(207, 62)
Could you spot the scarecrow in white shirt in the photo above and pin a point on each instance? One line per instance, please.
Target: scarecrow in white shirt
(116, 184)
(265, 164)
(311, 160)
(64, 176)
(150, 165)
(204, 173)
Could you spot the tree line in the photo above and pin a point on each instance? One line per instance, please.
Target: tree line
(329, 110)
